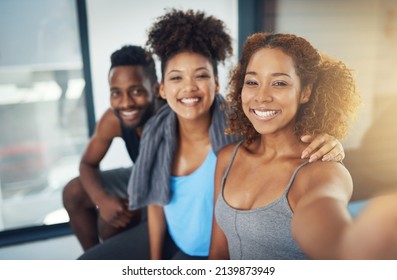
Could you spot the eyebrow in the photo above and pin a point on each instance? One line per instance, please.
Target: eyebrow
(273, 74)
(197, 69)
(130, 87)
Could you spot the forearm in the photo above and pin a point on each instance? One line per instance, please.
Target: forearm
(373, 234)
(90, 179)
(157, 227)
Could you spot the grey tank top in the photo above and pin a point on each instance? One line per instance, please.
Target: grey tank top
(263, 233)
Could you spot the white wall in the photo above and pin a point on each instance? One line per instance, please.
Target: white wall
(112, 24)
(346, 30)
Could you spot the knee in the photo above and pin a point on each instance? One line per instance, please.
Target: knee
(73, 194)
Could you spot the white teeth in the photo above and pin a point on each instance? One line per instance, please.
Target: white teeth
(129, 113)
(265, 114)
(190, 100)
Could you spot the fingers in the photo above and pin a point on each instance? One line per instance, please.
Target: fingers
(337, 153)
(326, 153)
(120, 220)
(324, 147)
(307, 138)
(316, 143)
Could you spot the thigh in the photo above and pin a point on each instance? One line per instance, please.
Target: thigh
(115, 181)
(131, 244)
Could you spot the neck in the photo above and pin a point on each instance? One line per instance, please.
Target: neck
(278, 145)
(194, 130)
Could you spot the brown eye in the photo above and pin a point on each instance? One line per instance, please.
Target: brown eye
(137, 92)
(250, 83)
(203, 76)
(175, 78)
(279, 84)
(114, 94)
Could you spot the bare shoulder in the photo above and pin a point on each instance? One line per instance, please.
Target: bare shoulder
(108, 126)
(224, 156)
(325, 179)
(226, 152)
(325, 169)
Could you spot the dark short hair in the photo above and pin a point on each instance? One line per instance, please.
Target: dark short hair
(135, 55)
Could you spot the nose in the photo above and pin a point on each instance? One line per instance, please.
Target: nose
(190, 85)
(127, 100)
(264, 94)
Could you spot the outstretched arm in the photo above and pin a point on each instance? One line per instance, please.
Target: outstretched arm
(323, 227)
(320, 213)
(373, 234)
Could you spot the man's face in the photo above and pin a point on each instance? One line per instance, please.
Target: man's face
(131, 94)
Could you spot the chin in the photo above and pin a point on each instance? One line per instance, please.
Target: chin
(129, 124)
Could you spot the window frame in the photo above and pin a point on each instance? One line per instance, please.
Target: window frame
(39, 232)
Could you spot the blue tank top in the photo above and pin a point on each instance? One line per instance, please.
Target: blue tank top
(189, 212)
(263, 233)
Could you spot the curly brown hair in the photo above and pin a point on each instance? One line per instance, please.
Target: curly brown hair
(333, 102)
(178, 31)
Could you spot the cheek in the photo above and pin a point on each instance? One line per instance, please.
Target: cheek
(245, 99)
(209, 89)
(142, 101)
(113, 102)
(170, 92)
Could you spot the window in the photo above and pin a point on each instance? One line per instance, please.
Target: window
(43, 115)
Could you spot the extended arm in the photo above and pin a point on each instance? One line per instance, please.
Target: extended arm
(320, 216)
(373, 233)
(324, 229)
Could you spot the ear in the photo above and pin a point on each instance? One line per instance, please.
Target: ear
(306, 93)
(161, 91)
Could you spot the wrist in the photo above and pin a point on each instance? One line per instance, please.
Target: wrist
(99, 198)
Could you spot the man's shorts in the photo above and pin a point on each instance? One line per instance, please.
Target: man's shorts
(115, 181)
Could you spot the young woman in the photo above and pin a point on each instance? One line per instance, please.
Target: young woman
(174, 173)
(270, 203)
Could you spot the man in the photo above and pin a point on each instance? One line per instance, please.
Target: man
(133, 99)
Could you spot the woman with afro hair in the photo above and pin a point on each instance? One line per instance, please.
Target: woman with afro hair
(174, 173)
(272, 204)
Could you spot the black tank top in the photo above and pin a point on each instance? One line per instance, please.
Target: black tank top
(131, 140)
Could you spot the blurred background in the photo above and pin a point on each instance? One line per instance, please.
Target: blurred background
(54, 61)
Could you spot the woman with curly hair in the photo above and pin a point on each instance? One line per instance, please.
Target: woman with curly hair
(270, 203)
(174, 173)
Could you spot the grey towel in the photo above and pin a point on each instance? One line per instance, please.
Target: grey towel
(150, 178)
